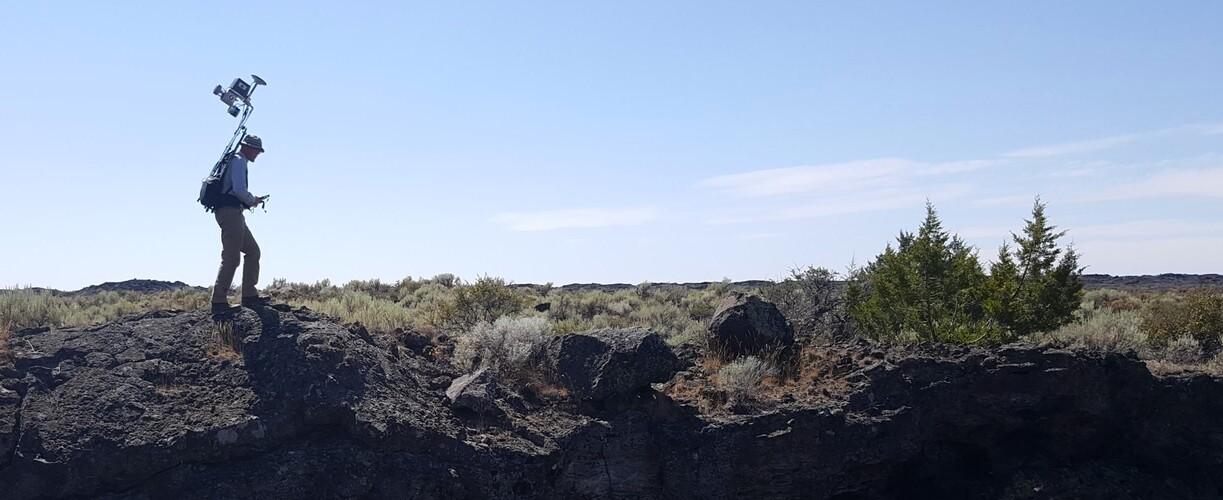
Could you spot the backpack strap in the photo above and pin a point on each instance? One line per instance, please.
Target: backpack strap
(222, 167)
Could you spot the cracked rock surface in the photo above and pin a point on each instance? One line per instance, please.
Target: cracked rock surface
(147, 407)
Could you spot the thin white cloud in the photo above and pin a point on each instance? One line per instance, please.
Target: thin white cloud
(957, 167)
(847, 206)
(838, 177)
(1017, 200)
(1197, 128)
(839, 189)
(1072, 147)
(1087, 146)
(759, 236)
(1204, 182)
(1127, 231)
(1074, 172)
(550, 220)
(861, 202)
(867, 202)
(1147, 229)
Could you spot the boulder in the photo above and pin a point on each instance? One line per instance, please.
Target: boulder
(745, 325)
(411, 339)
(599, 364)
(475, 392)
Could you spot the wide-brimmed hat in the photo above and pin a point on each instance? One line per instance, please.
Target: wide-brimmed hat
(253, 141)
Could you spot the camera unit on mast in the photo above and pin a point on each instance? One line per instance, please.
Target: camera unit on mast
(237, 98)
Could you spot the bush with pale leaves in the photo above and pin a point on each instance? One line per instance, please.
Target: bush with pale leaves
(504, 345)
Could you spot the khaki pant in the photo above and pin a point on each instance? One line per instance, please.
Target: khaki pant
(235, 238)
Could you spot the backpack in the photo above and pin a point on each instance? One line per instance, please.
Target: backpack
(210, 189)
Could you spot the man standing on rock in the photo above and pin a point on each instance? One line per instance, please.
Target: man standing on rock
(236, 237)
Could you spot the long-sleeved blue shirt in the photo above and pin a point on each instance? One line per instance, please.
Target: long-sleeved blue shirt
(234, 182)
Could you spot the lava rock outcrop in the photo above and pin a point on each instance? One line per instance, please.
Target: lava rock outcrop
(149, 407)
(607, 363)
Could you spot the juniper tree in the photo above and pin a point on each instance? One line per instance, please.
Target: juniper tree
(1035, 286)
(930, 285)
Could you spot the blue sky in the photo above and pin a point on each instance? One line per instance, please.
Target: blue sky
(610, 141)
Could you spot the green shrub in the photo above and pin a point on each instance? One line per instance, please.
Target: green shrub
(589, 304)
(608, 321)
(719, 289)
(429, 304)
(933, 285)
(483, 302)
(666, 319)
(6, 356)
(1197, 313)
(694, 333)
(1037, 286)
(671, 295)
(374, 288)
(570, 325)
(930, 284)
(592, 304)
(1108, 298)
(699, 309)
(289, 292)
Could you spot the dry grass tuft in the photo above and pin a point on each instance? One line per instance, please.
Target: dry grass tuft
(1105, 330)
(546, 390)
(6, 356)
(815, 373)
(22, 308)
(359, 306)
(1183, 350)
(224, 343)
(822, 371)
(169, 389)
(742, 378)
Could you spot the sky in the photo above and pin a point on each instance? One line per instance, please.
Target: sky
(606, 141)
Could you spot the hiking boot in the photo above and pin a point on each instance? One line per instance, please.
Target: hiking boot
(256, 301)
(219, 308)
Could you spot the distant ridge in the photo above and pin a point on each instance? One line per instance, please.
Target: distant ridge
(615, 287)
(135, 285)
(1157, 282)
